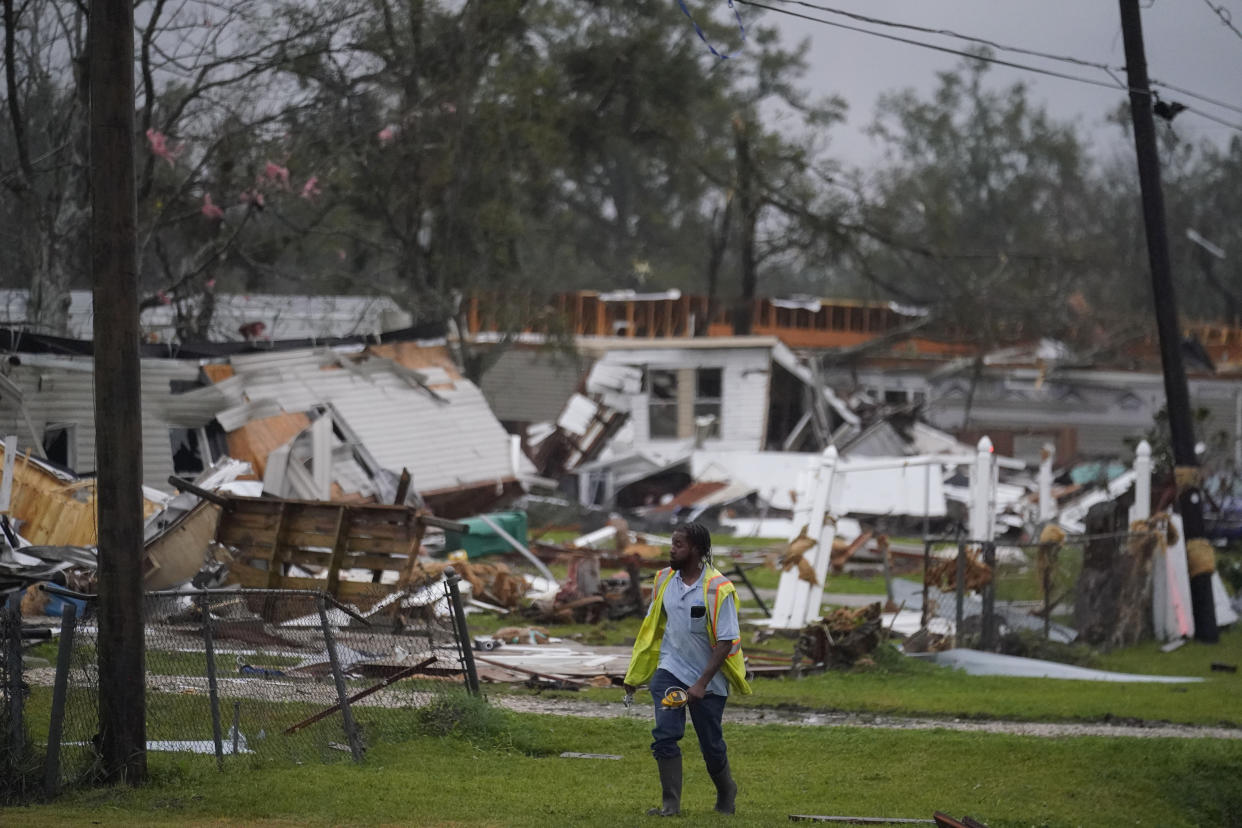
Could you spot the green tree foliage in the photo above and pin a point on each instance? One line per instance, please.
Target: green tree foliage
(983, 210)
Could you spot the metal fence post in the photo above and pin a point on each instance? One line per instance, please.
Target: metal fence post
(351, 732)
(212, 690)
(988, 634)
(236, 724)
(60, 689)
(1046, 583)
(926, 613)
(961, 593)
(13, 663)
(463, 632)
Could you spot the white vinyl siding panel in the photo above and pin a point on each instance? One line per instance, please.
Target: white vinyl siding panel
(66, 394)
(744, 390)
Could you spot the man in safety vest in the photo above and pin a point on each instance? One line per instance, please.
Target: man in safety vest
(690, 642)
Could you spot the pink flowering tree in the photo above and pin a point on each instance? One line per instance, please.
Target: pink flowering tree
(213, 155)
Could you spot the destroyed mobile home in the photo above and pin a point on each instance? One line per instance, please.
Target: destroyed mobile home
(345, 469)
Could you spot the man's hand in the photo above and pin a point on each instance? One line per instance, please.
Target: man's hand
(629, 689)
(697, 691)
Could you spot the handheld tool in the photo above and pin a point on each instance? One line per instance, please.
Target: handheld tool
(675, 697)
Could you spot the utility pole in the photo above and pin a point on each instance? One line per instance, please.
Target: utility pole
(748, 207)
(1176, 392)
(118, 427)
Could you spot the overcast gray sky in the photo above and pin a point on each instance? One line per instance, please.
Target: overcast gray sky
(1187, 45)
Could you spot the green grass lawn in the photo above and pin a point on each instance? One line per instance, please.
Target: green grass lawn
(901, 686)
(519, 780)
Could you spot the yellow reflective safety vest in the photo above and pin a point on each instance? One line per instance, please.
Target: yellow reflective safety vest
(646, 655)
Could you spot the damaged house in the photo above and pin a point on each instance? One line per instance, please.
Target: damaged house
(647, 405)
(391, 407)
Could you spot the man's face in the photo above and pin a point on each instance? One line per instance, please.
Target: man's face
(681, 552)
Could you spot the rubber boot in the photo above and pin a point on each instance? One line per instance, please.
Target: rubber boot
(726, 789)
(670, 787)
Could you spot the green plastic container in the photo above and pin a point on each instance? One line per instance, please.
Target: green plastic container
(483, 540)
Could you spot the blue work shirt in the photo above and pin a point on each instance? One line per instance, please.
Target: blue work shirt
(685, 648)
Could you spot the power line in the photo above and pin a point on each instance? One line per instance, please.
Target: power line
(1110, 70)
(933, 46)
(1226, 17)
(1001, 47)
(1188, 93)
(1116, 85)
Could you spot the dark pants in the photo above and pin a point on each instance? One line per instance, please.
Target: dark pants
(670, 723)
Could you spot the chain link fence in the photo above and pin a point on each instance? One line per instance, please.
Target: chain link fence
(250, 675)
(19, 763)
(1017, 597)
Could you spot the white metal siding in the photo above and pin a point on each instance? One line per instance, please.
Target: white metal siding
(66, 394)
(445, 445)
(744, 391)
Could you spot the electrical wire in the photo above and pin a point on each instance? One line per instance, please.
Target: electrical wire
(992, 44)
(1115, 85)
(1190, 94)
(1226, 17)
(934, 47)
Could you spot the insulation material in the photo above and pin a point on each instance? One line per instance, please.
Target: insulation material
(257, 439)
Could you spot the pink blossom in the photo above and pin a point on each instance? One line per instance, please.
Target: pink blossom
(158, 142)
(164, 298)
(210, 210)
(448, 107)
(340, 254)
(252, 197)
(211, 283)
(386, 135)
(276, 174)
(311, 188)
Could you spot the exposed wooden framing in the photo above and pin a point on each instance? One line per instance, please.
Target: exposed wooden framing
(338, 550)
(274, 560)
(324, 537)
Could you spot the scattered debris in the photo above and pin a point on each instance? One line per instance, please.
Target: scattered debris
(859, 820)
(841, 638)
(569, 754)
(945, 821)
(977, 663)
(522, 635)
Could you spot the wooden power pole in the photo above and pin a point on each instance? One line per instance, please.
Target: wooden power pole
(1176, 392)
(118, 427)
(748, 207)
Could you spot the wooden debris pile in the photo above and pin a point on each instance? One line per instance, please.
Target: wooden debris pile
(340, 548)
(493, 583)
(587, 597)
(842, 638)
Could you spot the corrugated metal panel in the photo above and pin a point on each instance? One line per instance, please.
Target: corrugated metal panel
(531, 386)
(445, 445)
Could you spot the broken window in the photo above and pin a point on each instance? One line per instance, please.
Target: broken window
(194, 449)
(895, 396)
(708, 395)
(60, 444)
(661, 404)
